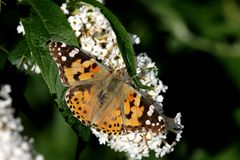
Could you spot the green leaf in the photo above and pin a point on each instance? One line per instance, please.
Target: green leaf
(48, 22)
(232, 65)
(123, 40)
(20, 52)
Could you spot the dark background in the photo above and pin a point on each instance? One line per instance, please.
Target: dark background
(196, 47)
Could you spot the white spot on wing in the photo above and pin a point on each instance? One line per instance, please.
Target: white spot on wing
(160, 118)
(150, 111)
(148, 122)
(152, 107)
(63, 45)
(64, 58)
(73, 53)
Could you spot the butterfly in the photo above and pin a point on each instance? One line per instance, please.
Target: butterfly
(100, 97)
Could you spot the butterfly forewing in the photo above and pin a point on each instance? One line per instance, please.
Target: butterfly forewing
(75, 66)
(139, 113)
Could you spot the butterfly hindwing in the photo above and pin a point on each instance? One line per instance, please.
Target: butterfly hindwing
(93, 105)
(110, 121)
(78, 98)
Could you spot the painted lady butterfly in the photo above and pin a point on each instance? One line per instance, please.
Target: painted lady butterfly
(100, 97)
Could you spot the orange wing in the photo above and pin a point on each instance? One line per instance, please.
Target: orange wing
(86, 104)
(75, 66)
(77, 99)
(110, 121)
(123, 109)
(129, 111)
(139, 114)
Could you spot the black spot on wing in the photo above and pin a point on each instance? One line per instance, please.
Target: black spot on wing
(131, 103)
(134, 94)
(129, 115)
(86, 70)
(76, 76)
(94, 65)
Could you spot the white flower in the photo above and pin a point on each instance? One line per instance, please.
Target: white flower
(20, 28)
(96, 35)
(103, 138)
(134, 38)
(75, 24)
(13, 145)
(101, 1)
(35, 68)
(29, 66)
(64, 8)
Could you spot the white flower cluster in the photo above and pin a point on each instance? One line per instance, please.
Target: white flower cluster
(12, 145)
(29, 66)
(138, 144)
(147, 72)
(97, 37)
